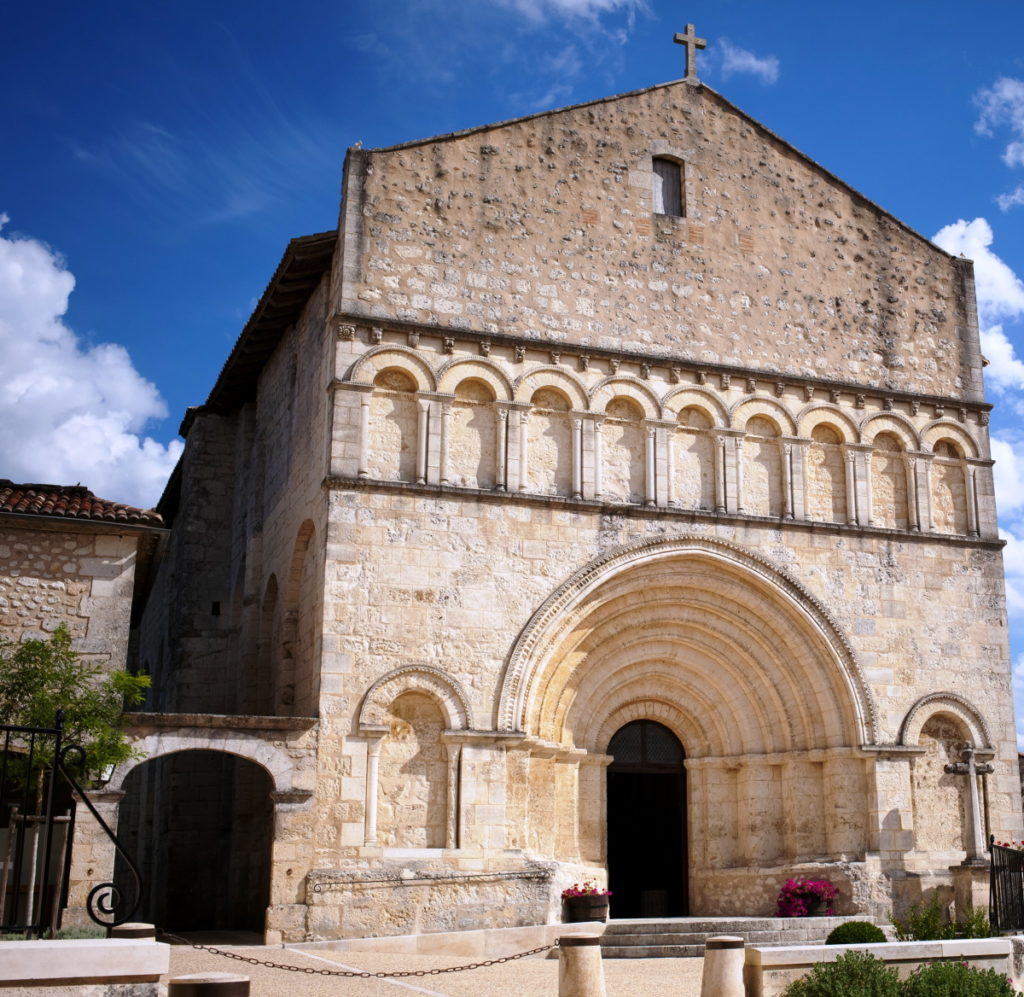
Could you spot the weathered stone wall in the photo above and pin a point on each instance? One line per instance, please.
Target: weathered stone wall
(544, 228)
(81, 576)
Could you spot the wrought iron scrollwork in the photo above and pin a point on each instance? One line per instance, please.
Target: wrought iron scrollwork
(106, 905)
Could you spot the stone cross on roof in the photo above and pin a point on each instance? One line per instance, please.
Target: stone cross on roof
(972, 769)
(692, 42)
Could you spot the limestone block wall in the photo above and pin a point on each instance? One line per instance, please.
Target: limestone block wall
(243, 636)
(83, 577)
(545, 228)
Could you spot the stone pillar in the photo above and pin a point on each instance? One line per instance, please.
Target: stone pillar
(737, 455)
(913, 508)
(760, 807)
(787, 480)
(422, 426)
(722, 972)
(598, 458)
(446, 420)
(719, 458)
(971, 496)
(971, 888)
(291, 853)
(434, 439)
(577, 457)
(862, 481)
(593, 808)
(92, 854)
(524, 450)
(845, 804)
(501, 469)
(364, 434)
(798, 477)
(803, 826)
(650, 465)
(923, 462)
(580, 969)
(513, 472)
(890, 810)
(850, 467)
(454, 822)
(375, 738)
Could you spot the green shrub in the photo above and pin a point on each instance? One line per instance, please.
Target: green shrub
(924, 922)
(956, 979)
(855, 933)
(853, 974)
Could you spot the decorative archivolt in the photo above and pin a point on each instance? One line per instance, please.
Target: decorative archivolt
(551, 377)
(951, 704)
(942, 429)
(745, 410)
(698, 398)
(452, 374)
(416, 678)
(625, 387)
(893, 423)
(757, 643)
(371, 363)
(823, 414)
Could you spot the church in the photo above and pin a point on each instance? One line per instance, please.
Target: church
(608, 497)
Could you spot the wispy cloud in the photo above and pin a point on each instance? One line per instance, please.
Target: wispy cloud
(1002, 106)
(69, 412)
(738, 60)
(541, 10)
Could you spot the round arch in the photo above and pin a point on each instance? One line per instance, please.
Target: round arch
(371, 363)
(747, 408)
(830, 415)
(533, 380)
(277, 763)
(694, 624)
(688, 397)
(894, 424)
(422, 678)
(625, 387)
(452, 374)
(943, 429)
(950, 703)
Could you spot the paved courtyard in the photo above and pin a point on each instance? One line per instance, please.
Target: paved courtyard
(532, 977)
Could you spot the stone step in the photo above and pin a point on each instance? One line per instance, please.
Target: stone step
(684, 937)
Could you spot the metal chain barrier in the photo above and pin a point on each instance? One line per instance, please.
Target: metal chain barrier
(310, 971)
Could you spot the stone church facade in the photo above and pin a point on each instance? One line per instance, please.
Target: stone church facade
(609, 496)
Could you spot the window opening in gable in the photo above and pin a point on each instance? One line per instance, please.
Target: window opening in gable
(668, 187)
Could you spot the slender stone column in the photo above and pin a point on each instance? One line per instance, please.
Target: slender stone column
(913, 512)
(500, 470)
(971, 497)
(375, 738)
(577, 458)
(718, 456)
(850, 466)
(454, 822)
(738, 458)
(670, 466)
(524, 450)
(446, 417)
(421, 441)
(650, 477)
(364, 435)
(598, 458)
(787, 481)
(924, 492)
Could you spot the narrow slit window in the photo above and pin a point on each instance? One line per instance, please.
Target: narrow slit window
(668, 187)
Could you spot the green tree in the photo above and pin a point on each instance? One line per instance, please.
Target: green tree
(40, 677)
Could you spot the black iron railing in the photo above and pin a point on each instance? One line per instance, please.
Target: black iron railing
(36, 831)
(1006, 893)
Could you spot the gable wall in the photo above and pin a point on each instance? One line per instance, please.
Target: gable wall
(544, 228)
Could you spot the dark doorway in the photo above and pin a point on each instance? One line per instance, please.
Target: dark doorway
(200, 826)
(647, 871)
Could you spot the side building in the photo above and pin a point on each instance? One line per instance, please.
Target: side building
(610, 496)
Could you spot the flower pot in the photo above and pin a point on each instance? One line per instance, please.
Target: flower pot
(589, 907)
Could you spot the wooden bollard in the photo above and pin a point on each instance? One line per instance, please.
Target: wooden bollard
(580, 970)
(208, 985)
(722, 974)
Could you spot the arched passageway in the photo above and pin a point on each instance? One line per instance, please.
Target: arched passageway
(200, 827)
(647, 822)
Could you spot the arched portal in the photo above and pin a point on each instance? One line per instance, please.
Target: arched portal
(200, 827)
(746, 668)
(647, 822)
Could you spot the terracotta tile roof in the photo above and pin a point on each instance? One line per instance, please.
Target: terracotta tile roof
(71, 502)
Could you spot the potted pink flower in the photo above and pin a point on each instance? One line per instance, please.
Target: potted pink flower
(805, 898)
(585, 901)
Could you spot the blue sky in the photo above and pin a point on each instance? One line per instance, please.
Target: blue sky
(157, 158)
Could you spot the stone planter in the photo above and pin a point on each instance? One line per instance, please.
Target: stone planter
(589, 907)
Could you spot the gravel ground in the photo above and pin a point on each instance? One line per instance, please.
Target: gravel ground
(531, 977)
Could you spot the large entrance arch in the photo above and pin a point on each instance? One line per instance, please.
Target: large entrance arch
(746, 669)
(647, 822)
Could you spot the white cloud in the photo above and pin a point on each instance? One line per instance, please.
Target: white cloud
(738, 60)
(1005, 369)
(1000, 290)
(70, 413)
(1008, 453)
(1011, 200)
(539, 10)
(1013, 154)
